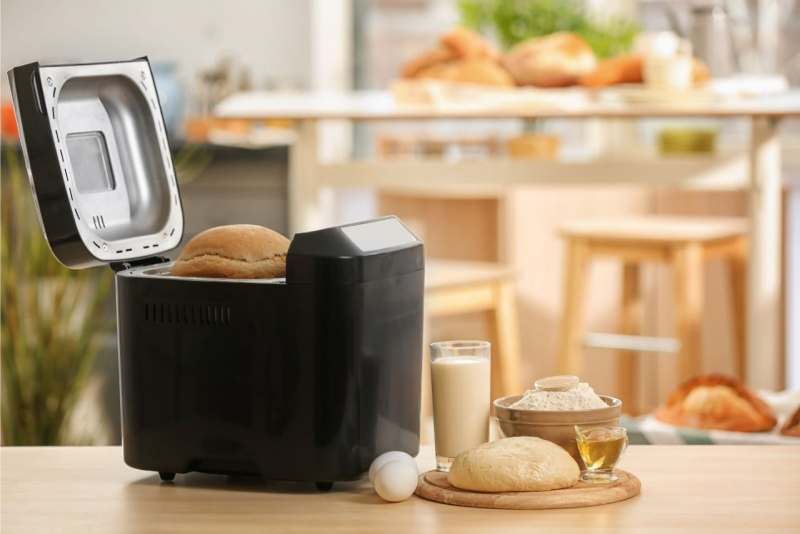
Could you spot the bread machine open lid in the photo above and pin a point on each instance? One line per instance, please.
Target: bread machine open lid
(98, 159)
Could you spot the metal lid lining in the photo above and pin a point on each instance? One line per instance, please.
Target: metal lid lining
(114, 155)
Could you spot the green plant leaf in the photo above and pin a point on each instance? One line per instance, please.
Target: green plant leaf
(51, 321)
(514, 21)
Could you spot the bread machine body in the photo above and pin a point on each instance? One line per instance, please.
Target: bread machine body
(308, 378)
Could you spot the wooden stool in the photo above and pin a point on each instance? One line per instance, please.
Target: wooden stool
(455, 287)
(683, 242)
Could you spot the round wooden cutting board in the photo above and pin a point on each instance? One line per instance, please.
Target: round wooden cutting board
(433, 486)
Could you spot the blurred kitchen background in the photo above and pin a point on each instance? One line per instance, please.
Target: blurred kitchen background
(59, 374)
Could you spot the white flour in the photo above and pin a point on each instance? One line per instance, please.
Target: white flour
(581, 397)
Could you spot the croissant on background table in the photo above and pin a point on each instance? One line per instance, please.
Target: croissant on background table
(462, 56)
(717, 402)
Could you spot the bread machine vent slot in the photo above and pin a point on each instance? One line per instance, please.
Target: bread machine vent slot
(198, 315)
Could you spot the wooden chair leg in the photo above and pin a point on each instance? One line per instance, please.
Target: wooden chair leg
(569, 360)
(490, 318)
(507, 340)
(687, 263)
(629, 324)
(737, 266)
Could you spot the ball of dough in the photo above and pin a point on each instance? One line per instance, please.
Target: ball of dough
(514, 464)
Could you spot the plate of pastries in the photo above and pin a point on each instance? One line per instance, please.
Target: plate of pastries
(463, 62)
(718, 402)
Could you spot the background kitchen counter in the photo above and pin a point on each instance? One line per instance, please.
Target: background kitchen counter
(90, 489)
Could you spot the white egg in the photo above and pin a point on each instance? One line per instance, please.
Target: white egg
(384, 459)
(396, 481)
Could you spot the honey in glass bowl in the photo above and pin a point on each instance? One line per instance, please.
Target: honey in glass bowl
(601, 449)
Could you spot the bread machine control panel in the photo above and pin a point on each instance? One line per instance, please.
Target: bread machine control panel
(379, 234)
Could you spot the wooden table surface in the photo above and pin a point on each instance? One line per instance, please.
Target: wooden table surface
(380, 105)
(684, 489)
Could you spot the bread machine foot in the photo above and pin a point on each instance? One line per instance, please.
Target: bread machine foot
(324, 486)
(166, 476)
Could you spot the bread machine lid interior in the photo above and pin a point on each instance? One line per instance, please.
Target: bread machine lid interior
(98, 159)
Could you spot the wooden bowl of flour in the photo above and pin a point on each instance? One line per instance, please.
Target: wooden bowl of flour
(555, 426)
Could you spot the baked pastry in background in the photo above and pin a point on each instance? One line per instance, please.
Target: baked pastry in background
(463, 56)
(700, 72)
(425, 60)
(235, 251)
(717, 402)
(792, 425)
(560, 59)
(556, 60)
(628, 68)
(613, 71)
(468, 70)
(464, 42)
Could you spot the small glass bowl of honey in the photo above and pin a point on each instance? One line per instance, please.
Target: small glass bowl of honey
(601, 449)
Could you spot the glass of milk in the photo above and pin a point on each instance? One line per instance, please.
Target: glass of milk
(461, 380)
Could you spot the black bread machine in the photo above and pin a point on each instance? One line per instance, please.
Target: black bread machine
(306, 378)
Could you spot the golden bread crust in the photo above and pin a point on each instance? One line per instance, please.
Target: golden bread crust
(555, 60)
(613, 71)
(628, 68)
(471, 70)
(464, 42)
(424, 60)
(463, 56)
(235, 251)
